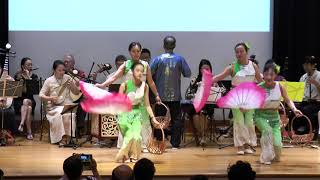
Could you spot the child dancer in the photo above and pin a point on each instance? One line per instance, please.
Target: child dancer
(268, 119)
(130, 123)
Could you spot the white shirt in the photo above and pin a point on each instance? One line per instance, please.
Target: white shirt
(315, 94)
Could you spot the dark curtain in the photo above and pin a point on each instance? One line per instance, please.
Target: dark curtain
(4, 23)
(3, 26)
(296, 34)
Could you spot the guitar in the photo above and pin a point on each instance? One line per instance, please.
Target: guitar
(5, 102)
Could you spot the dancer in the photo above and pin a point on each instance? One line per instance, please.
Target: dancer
(125, 70)
(130, 123)
(242, 70)
(268, 119)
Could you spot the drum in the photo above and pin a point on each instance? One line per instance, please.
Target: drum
(104, 126)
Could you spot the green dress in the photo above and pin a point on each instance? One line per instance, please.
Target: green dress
(130, 123)
(145, 120)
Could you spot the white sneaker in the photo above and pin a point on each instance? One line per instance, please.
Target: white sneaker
(240, 152)
(145, 151)
(248, 151)
(174, 148)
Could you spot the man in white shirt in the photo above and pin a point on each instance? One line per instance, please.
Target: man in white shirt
(311, 91)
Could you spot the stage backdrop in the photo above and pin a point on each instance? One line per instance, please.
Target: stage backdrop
(100, 30)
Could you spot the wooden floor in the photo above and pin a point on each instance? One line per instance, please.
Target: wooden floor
(41, 159)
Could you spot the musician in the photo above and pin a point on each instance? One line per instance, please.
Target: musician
(167, 70)
(125, 71)
(56, 93)
(69, 62)
(25, 104)
(120, 59)
(9, 121)
(199, 119)
(145, 55)
(242, 70)
(311, 91)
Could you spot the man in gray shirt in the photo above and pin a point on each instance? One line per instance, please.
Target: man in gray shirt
(167, 70)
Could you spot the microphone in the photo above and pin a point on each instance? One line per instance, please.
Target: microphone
(34, 69)
(7, 49)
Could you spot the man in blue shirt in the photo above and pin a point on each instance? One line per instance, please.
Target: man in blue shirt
(167, 70)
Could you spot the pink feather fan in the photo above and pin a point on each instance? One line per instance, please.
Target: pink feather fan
(203, 92)
(246, 96)
(100, 101)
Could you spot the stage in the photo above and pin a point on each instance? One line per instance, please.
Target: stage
(41, 160)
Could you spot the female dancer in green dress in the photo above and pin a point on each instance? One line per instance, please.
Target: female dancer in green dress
(242, 70)
(125, 71)
(130, 123)
(268, 119)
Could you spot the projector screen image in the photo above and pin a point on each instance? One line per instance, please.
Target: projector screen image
(140, 15)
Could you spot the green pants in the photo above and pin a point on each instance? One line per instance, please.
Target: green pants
(271, 142)
(243, 128)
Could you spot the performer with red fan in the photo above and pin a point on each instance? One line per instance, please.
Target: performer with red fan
(242, 70)
(268, 119)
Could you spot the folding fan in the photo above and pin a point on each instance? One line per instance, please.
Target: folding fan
(102, 102)
(246, 96)
(203, 91)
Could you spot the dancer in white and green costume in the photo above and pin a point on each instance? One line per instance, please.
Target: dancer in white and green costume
(125, 71)
(242, 70)
(130, 123)
(268, 119)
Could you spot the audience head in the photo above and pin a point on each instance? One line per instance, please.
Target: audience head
(26, 64)
(73, 167)
(69, 62)
(137, 70)
(241, 50)
(122, 172)
(135, 50)
(199, 177)
(145, 55)
(204, 65)
(241, 170)
(169, 43)
(144, 170)
(120, 59)
(309, 64)
(58, 68)
(1, 174)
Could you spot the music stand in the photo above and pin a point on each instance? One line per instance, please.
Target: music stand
(66, 109)
(8, 89)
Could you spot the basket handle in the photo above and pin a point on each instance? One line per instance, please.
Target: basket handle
(167, 109)
(283, 109)
(309, 122)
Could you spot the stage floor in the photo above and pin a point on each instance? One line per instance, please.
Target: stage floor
(41, 160)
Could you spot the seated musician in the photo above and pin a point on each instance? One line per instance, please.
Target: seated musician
(56, 92)
(25, 104)
(69, 62)
(312, 90)
(199, 119)
(9, 122)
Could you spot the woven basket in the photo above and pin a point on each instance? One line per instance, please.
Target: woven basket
(164, 121)
(301, 139)
(155, 146)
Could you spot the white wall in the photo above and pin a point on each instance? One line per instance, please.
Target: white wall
(45, 47)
